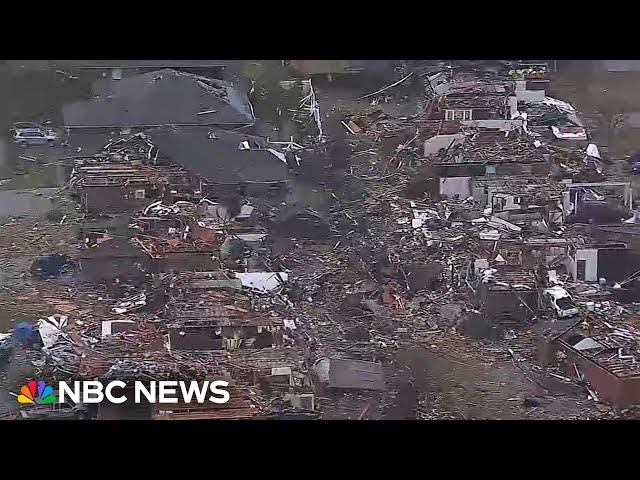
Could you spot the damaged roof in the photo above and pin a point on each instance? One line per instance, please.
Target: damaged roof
(493, 146)
(219, 160)
(510, 277)
(525, 186)
(120, 174)
(612, 346)
(164, 97)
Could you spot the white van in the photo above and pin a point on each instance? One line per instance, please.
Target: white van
(560, 302)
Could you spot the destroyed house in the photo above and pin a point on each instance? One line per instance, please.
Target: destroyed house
(203, 317)
(215, 220)
(503, 252)
(603, 354)
(492, 152)
(279, 367)
(470, 96)
(515, 192)
(224, 333)
(508, 294)
(173, 253)
(116, 146)
(279, 371)
(519, 199)
(599, 203)
(531, 82)
(164, 97)
(548, 251)
(115, 258)
(223, 165)
(185, 236)
(583, 259)
(159, 224)
(383, 126)
(207, 221)
(592, 262)
(471, 106)
(118, 187)
(163, 220)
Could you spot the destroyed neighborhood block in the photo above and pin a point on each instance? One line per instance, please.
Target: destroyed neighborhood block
(488, 246)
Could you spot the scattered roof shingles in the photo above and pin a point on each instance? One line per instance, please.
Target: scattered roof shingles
(219, 160)
(164, 97)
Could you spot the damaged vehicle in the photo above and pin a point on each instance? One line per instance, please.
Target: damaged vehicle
(559, 300)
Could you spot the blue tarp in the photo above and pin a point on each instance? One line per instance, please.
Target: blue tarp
(25, 333)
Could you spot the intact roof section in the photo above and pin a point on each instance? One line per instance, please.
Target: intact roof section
(98, 64)
(218, 160)
(163, 97)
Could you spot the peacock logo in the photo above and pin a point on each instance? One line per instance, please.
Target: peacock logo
(28, 393)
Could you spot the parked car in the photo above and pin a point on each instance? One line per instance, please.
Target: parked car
(34, 136)
(561, 302)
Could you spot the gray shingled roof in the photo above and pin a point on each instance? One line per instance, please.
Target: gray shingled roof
(164, 97)
(218, 160)
(144, 63)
